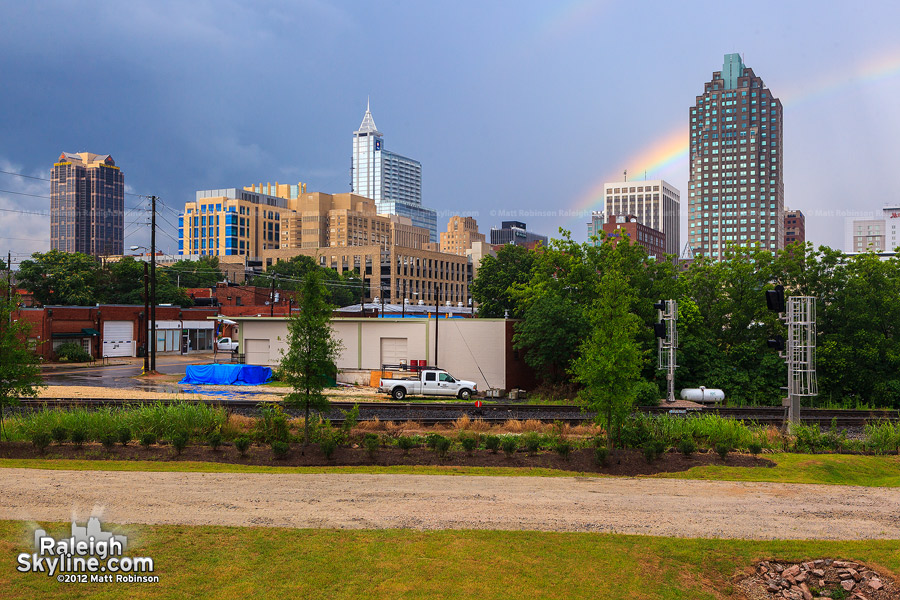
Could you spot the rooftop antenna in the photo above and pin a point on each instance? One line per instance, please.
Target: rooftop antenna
(625, 174)
(645, 174)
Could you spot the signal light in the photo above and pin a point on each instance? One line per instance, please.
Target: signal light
(775, 299)
(661, 305)
(776, 343)
(660, 330)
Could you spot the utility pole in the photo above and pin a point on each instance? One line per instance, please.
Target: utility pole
(9, 282)
(152, 284)
(403, 298)
(437, 319)
(362, 298)
(272, 297)
(144, 325)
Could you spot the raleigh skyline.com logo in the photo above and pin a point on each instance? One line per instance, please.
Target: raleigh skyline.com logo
(89, 555)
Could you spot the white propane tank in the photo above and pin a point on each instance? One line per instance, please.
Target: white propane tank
(703, 395)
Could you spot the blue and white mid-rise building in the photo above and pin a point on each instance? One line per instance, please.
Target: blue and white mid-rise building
(393, 181)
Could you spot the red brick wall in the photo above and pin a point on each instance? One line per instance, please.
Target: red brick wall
(72, 319)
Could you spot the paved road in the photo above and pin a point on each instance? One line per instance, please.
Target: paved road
(666, 507)
(120, 376)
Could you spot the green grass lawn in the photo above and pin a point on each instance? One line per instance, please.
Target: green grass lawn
(224, 562)
(833, 469)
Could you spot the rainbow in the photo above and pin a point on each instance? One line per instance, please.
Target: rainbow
(671, 149)
(569, 17)
(878, 68)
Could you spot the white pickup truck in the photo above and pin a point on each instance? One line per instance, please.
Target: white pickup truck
(226, 345)
(429, 382)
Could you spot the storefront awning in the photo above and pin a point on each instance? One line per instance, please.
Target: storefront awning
(85, 332)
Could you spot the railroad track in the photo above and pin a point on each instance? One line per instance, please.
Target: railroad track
(496, 412)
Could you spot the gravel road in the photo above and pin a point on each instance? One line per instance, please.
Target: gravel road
(662, 507)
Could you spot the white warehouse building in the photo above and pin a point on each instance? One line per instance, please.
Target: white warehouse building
(479, 350)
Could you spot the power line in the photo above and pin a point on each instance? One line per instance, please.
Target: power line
(48, 197)
(4, 237)
(50, 180)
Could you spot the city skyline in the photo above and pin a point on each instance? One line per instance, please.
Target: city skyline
(532, 114)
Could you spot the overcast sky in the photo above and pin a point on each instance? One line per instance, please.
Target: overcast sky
(515, 109)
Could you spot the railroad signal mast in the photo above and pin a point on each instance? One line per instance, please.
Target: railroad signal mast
(799, 350)
(666, 331)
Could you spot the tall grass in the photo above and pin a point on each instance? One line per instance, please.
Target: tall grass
(883, 437)
(163, 420)
(707, 430)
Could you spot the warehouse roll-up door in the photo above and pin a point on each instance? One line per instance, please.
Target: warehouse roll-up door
(256, 352)
(393, 351)
(118, 338)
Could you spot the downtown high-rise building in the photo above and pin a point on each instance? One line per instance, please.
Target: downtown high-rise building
(87, 204)
(736, 187)
(393, 181)
(655, 203)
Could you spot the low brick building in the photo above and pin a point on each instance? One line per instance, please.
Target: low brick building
(652, 240)
(111, 330)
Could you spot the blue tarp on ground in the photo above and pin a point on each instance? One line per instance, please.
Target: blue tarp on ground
(227, 374)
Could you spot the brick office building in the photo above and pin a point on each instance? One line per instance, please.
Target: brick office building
(118, 330)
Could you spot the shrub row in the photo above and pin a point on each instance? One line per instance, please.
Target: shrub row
(182, 423)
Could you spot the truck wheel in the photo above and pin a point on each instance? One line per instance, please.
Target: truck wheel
(465, 394)
(398, 393)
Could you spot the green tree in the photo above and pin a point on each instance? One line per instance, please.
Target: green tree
(347, 288)
(291, 273)
(123, 283)
(609, 360)
(563, 284)
(68, 278)
(859, 334)
(725, 325)
(548, 335)
(20, 373)
(202, 273)
(341, 290)
(312, 349)
(496, 276)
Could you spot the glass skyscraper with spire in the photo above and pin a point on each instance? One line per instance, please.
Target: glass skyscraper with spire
(393, 181)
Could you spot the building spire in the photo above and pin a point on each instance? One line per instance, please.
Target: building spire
(368, 123)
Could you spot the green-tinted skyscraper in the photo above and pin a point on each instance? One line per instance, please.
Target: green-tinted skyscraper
(736, 187)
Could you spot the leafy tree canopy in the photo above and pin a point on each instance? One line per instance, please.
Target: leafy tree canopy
(67, 278)
(341, 290)
(20, 373)
(76, 279)
(201, 273)
(496, 276)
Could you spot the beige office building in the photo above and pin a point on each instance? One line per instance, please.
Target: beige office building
(392, 273)
(461, 233)
(344, 232)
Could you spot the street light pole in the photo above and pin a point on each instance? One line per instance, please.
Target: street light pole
(152, 284)
(144, 320)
